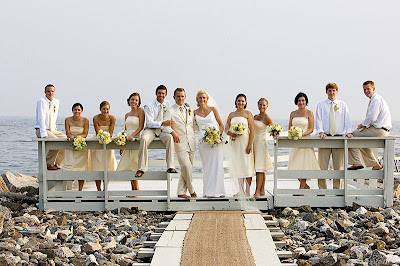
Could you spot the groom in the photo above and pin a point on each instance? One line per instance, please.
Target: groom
(46, 117)
(185, 145)
(332, 119)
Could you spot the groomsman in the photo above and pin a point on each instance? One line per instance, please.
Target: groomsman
(377, 123)
(332, 119)
(185, 144)
(156, 126)
(46, 117)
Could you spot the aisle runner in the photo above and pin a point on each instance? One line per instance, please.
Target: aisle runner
(216, 238)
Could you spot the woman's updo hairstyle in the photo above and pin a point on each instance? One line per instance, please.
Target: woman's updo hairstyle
(298, 96)
(241, 95)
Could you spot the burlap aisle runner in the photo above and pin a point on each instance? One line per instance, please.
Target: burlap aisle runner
(216, 238)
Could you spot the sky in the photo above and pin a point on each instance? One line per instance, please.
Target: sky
(105, 50)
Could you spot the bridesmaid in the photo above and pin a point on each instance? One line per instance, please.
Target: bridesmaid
(134, 123)
(242, 158)
(106, 122)
(302, 158)
(75, 126)
(262, 160)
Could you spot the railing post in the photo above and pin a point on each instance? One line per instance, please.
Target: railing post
(388, 172)
(346, 159)
(168, 191)
(105, 177)
(44, 168)
(275, 169)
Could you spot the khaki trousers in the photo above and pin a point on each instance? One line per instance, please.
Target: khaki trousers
(54, 156)
(148, 136)
(324, 155)
(185, 159)
(367, 155)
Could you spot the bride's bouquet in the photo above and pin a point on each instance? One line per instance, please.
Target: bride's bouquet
(211, 136)
(295, 133)
(79, 144)
(104, 137)
(121, 139)
(275, 130)
(238, 129)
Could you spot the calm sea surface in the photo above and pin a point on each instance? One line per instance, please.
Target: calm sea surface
(20, 152)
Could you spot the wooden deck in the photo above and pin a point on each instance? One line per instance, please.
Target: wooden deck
(158, 189)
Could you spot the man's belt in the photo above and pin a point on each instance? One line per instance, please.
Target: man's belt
(337, 135)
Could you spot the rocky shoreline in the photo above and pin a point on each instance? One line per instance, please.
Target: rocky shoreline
(354, 235)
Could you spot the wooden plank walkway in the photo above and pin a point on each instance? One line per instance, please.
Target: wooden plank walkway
(168, 249)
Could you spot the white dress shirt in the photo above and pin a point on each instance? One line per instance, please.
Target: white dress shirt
(378, 114)
(342, 117)
(44, 109)
(152, 110)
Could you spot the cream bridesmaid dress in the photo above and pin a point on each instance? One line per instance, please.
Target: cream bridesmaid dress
(129, 159)
(97, 157)
(76, 160)
(262, 160)
(302, 158)
(242, 163)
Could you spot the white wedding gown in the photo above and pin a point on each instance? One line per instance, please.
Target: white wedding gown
(212, 159)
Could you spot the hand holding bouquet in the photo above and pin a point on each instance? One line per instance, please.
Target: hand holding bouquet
(104, 137)
(79, 144)
(121, 139)
(238, 129)
(275, 130)
(295, 133)
(211, 136)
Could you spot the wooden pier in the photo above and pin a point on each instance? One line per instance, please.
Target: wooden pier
(158, 189)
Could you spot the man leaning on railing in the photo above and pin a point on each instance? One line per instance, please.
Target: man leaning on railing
(377, 123)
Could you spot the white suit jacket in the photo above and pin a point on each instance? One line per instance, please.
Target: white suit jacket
(183, 127)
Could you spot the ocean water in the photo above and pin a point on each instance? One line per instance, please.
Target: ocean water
(19, 152)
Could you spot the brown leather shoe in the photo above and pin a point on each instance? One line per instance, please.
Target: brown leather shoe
(52, 167)
(172, 171)
(139, 173)
(184, 196)
(357, 167)
(193, 195)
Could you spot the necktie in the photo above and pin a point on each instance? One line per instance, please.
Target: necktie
(51, 117)
(368, 107)
(160, 118)
(332, 124)
(183, 111)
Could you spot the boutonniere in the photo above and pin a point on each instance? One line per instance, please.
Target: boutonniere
(164, 108)
(54, 108)
(336, 107)
(190, 111)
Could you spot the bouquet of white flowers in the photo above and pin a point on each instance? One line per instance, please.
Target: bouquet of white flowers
(275, 130)
(211, 136)
(121, 139)
(295, 133)
(79, 144)
(104, 137)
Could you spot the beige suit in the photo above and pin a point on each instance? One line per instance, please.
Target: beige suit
(185, 149)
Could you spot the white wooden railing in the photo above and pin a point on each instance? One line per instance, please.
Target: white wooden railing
(352, 190)
(54, 195)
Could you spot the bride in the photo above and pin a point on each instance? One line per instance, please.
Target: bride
(212, 157)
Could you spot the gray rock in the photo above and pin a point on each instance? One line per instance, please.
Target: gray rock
(65, 252)
(91, 260)
(392, 259)
(284, 223)
(377, 258)
(38, 256)
(301, 225)
(32, 244)
(289, 212)
(330, 259)
(358, 252)
(361, 211)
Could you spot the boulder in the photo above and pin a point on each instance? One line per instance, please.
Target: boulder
(21, 183)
